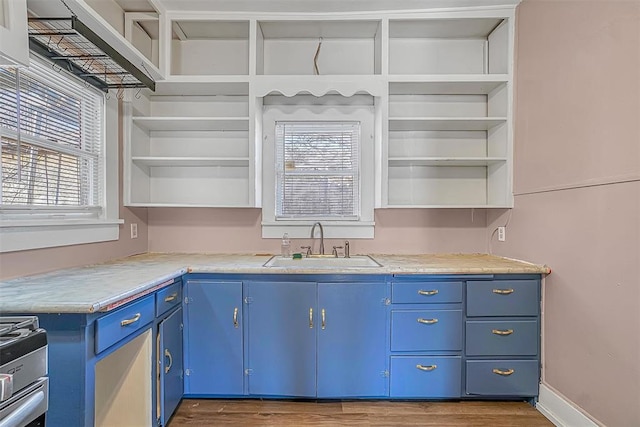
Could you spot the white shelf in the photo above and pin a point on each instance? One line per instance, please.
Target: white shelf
(445, 161)
(203, 85)
(191, 161)
(444, 123)
(192, 123)
(471, 84)
(185, 205)
(344, 85)
(451, 206)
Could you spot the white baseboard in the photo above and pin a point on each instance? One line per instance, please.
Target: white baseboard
(560, 411)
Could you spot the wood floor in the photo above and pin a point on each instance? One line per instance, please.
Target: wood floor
(207, 412)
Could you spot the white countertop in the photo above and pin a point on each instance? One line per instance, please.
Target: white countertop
(94, 288)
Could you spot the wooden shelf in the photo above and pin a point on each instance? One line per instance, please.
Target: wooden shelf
(191, 161)
(192, 123)
(444, 123)
(471, 84)
(445, 161)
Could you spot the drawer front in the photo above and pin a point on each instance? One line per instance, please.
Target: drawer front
(503, 298)
(426, 292)
(125, 321)
(502, 338)
(168, 297)
(425, 376)
(502, 377)
(426, 330)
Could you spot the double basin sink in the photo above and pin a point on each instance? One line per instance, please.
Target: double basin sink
(323, 261)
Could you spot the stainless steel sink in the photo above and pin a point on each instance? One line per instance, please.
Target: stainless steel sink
(356, 261)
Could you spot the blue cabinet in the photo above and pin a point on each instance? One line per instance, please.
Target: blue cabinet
(502, 330)
(282, 322)
(214, 338)
(308, 339)
(170, 374)
(352, 357)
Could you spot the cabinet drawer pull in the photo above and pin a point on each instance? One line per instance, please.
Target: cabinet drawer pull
(323, 318)
(426, 368)
(311, 318)
(428, 293)
(502, 331)
(171, 297)
(134, 319)
(503, 291)
(235, 317)
(503, 373)
(168, 355)
(427, 321)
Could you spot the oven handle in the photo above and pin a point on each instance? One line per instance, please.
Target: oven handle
(20, 414)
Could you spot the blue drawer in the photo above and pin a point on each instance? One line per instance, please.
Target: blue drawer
(425, 376)
(426, 292)
(502, 377)
(123, 322)
(502, 338)
(426, 330)
(503, 298)
(168, 297)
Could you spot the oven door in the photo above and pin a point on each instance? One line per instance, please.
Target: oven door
(26, 405)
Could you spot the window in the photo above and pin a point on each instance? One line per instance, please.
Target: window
(318, 165)
(317, 170)
(53, 154)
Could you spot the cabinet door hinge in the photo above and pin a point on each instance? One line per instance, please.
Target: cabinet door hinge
(182, 326)
(248, 372)
(187, 300)
(187, 372)
(248, 300)
(386, 301)
(384, 374)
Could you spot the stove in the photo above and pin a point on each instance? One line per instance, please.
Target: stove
(24, 387)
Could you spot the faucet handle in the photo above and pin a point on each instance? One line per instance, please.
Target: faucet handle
(335, 251)
(308, 250)
(346, 249)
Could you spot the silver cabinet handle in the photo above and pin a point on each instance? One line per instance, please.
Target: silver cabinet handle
(504, 373)
(503, 291)
(171, 297)
(235, 317)
(426, 368)
(134, 319)
(428, 293)
(427, 321)
(311, 318)
(168, 355)
(323, 318)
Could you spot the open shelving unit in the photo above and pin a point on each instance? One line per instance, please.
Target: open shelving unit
(441, 82)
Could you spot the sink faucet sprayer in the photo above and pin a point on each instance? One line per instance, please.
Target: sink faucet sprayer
(313, 229)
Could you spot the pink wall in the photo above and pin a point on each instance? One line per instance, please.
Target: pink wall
(239, 231)
(22, 263)
(577, 195)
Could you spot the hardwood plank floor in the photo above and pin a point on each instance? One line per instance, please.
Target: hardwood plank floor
(255, 412)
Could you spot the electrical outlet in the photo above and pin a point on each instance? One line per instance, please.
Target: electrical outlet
(134, 230)
(502, 234)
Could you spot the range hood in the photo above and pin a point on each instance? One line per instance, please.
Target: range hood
(74, 47)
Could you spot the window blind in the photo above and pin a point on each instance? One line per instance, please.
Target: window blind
(317, 167)
(50, 142)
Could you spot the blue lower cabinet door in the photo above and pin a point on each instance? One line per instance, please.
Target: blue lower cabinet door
(502, 377)
(213, 351)
(426, 377)
(170, 368)
(283, 321)
(352, 358)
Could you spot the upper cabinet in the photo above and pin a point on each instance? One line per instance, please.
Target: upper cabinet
(14, 42)
(440, 80)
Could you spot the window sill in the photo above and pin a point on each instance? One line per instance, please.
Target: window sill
(332, 229)
(18, 235)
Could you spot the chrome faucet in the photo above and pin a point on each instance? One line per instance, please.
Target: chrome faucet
(313, 229)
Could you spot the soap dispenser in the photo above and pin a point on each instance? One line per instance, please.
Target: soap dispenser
(285, 247)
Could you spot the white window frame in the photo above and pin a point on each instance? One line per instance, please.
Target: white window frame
(24, 231)
(338, 229)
